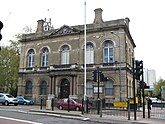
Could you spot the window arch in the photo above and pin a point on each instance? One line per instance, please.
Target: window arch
(109, 89)
(89, 53)
(30, 58)
(28, 87)
(108, 51)
(65, 54)
(44, 58)
(43, 88)
(89, 88)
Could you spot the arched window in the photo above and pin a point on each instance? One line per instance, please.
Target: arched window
(109, 89)
(30, 58)
(65, 55)
(89, 88)
(44, 60)
(108, 52)
(89, 53)
(43, 88)
(28, 87)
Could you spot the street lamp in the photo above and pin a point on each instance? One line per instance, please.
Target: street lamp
(119, 62)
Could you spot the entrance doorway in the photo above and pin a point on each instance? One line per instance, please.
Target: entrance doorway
(64, 89)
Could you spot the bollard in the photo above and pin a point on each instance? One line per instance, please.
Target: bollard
(52, 104)
(128, 103)
(41, 103)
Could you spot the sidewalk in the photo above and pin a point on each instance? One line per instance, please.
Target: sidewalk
(94, 117)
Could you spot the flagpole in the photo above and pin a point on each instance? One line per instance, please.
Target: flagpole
(84, 49)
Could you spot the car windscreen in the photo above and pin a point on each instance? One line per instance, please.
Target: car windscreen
(9, 96)
(77, 100)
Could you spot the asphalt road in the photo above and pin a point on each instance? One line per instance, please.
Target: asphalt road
(15, 117)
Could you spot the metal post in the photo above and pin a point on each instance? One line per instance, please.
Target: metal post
(143, 94)
(52, 104)
(84, 53)
(101, 106)
(134, 95)
(98, 97)
(149, 107)
(82, 106)
(87, 103)
(41, 103)
(128, 102)
(68, 104)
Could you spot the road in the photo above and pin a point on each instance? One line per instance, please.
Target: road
(15, 117)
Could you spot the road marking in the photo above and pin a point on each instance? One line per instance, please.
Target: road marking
(30, 122)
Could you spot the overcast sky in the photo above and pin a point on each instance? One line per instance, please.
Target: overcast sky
(147, 21)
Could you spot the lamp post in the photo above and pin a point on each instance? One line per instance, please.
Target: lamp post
(119, 62)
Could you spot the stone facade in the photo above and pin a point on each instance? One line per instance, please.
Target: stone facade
(52, 61)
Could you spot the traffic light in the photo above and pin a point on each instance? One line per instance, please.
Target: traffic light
(139, 69)
(102, 78)
(94, 75)
(1, 26)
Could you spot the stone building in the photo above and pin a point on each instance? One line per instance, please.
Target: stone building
(52, 60)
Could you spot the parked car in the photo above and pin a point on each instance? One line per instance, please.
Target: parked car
(73, 104)
(155, 100)
(7, 99)
(24, 101)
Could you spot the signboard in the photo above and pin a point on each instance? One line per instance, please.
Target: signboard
(120, 104)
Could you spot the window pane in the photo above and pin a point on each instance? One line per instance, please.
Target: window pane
(105, 55)
(65, 55)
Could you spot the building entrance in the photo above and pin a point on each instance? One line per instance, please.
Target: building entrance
(64, 89)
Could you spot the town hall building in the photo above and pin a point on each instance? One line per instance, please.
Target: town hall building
(52, 60)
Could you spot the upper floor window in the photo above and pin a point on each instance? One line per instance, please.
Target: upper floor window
(44, 60)
(89, 53)
(108, 52)
(31, 58)
(28, 87)
(65, 55)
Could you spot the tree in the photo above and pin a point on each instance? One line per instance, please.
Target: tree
(9, 66)
(157, 87)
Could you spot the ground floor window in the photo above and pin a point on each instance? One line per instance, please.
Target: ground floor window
(109, 89)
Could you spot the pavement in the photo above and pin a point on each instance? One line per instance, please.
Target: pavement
(94, 117)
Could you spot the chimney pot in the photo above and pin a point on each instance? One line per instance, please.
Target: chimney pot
(40, 28)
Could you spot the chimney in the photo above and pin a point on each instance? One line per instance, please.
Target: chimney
(98, 16)
(127, 20)
(40, 28)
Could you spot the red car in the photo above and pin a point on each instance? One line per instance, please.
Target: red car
(74, 104)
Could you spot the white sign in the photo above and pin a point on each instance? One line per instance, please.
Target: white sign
(96, 89)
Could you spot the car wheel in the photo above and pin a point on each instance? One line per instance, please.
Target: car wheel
(60, 107)
(6, 103)
(15, 104)
(25, 103)
(77, 108)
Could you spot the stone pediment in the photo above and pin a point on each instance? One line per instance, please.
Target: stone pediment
(64, 30)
